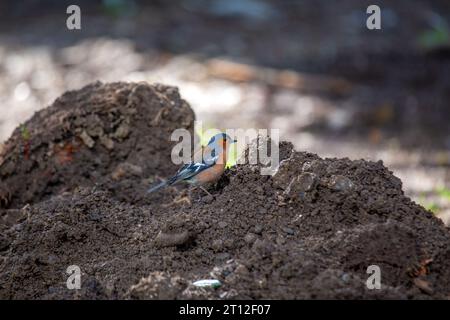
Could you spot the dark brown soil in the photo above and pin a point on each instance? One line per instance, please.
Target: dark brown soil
(310, 231)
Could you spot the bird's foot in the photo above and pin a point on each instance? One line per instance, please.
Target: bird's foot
(183, 199)
(179, 199)
(209, 194)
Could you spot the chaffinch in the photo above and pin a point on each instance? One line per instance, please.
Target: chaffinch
(210, 169)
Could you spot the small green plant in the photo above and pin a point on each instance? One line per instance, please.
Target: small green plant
(437, 36)
(443, 192)
(428, 205)
(25, 132)
(431, 206)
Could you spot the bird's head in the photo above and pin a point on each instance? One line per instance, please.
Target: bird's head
(221, 139)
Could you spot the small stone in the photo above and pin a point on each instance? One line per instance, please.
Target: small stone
(263, 247)
(297, 218)
(258, 229)
(423, 285)
(95, 131)
(222, 224)
(340, 183)
(302, 183)
(131, 168)
(122, 131)
(345, 277)
(87, 140)
(223, 256)
(288, 230)
(208, 198)
(259, 190)
(172, 239)
(118, 173)
(280, 240)
(241, 270)
(126, 169)
(107, 142)
(217, 245)
(250, 238)
(229, 243)
(198, 252)
(306, 166)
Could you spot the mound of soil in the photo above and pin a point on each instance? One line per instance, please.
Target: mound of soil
(310, 231)
(101, 131)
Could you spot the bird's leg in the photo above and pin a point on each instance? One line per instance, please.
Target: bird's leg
(183, 199)
(205, 191)
(190, 191)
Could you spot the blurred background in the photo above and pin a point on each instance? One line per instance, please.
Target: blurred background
(309, 68)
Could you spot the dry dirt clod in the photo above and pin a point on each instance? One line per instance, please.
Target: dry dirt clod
(87, 140)
(250, 238)
(172, 239)
(107, 142)
(158, 285)
(423, 285)
(208, 198)
(122, 131)
(126, 169)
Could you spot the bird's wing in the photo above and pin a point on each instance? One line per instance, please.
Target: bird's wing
(188, 171)
(209, 159)
(211, 154)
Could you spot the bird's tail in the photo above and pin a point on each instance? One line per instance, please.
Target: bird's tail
(157, 187)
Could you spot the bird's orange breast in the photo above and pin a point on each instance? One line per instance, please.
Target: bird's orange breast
(211, 174)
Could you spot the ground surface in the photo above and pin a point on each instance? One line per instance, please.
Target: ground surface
(308, 68)
(73, 193)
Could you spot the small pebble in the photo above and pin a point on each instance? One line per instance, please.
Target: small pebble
(172, 239)
(345, 277)
(208, 198)
(222, 224)
(258, 229)
(217, 245)
(340, 183)
(223, 256)
(250, 238)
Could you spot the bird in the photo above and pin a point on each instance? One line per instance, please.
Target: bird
(210, 169)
